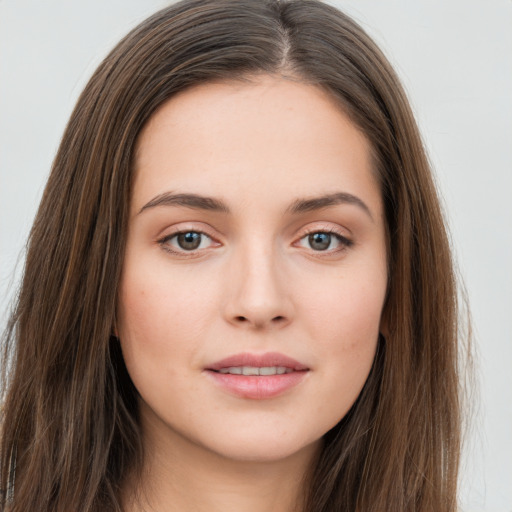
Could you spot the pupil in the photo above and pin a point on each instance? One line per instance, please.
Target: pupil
(189, 241)
(320, 241)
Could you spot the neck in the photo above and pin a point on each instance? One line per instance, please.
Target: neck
(180, 476)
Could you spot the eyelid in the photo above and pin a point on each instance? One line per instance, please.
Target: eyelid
(187, 227)
(326, 227)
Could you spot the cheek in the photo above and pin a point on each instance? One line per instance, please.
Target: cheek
(345, 313)
(161, 303)
(161, 321)
(343, 321)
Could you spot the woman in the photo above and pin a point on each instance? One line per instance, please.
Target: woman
(238, 291)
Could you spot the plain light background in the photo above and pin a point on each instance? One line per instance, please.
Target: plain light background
(455, 59)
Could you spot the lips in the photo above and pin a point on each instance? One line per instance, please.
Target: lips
(257, 376)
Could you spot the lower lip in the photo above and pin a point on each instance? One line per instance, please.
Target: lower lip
(257, 387)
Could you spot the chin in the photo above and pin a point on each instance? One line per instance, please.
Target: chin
(267, 444)
(264, 450)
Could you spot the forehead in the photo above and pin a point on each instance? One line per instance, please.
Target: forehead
(241, 138)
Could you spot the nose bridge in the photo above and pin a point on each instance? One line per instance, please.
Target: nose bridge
(258, 296)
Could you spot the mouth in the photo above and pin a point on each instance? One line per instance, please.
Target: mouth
(257, 377)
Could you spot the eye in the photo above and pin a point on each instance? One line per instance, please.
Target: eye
(324, 241)
(186, 241)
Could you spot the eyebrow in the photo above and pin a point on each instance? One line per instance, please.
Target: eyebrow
(317, 203)
(199, 202)
(193, 201)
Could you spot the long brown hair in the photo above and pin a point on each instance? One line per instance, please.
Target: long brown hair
(70, 430)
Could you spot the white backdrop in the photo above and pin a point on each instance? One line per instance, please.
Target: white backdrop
(455, 58)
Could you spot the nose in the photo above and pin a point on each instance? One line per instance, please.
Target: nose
(258, 293)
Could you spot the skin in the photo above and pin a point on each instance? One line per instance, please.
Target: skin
(254, 285)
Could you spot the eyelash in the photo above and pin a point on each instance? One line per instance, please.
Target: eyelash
(345, 243)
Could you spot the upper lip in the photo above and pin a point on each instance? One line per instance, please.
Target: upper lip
(269, 359)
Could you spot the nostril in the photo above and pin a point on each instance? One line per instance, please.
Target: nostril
(258, 322)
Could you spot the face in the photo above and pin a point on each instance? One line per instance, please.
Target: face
(255, 268)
